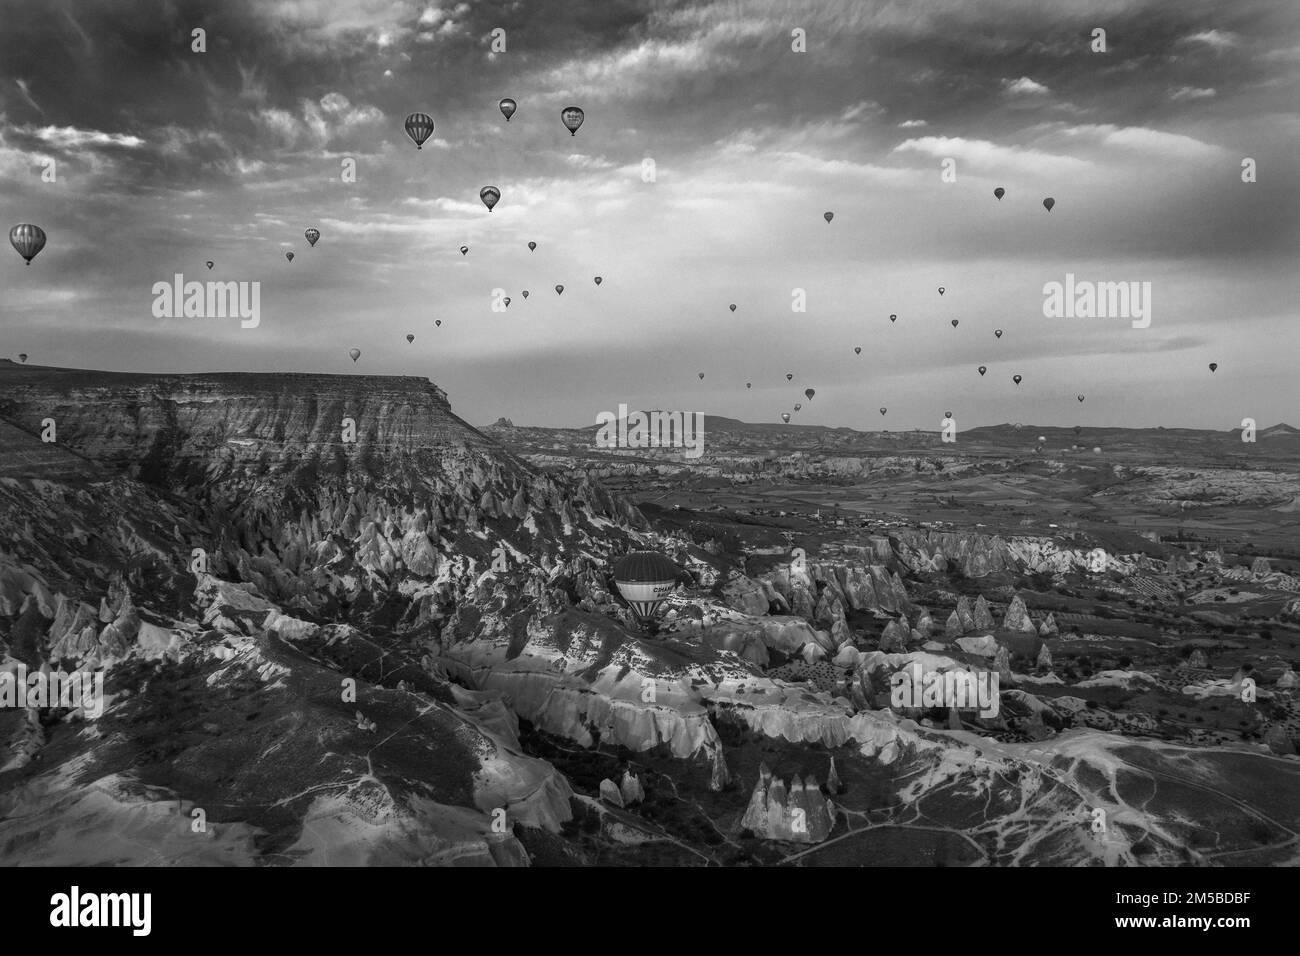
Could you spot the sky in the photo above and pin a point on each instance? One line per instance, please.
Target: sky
(165, 158)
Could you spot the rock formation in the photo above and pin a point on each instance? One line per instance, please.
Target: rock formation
(797, 814)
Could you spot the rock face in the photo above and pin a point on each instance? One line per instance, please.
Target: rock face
(1044, 658)
(1198, 660)
(1017, 618)
(1288, 680)
(797, 814)
(983, 617)
(1279, 741)
(1048, 627)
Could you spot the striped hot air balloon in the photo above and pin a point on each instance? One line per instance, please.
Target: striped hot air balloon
(419, 126)
(645, 579)
(27, 239)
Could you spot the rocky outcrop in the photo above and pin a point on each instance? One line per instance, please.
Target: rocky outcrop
(1017, 617)
(798, 813)
(983, 616)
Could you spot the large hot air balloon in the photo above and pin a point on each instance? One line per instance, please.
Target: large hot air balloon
(1048, 203)
(785, 417)
(1016, 379)
(464, 250)
(645, 579)
(419, 126)
(998, 333)
(1213, 366)
(789, 376)
(598, 280)
(355, 353)
(532, 246)
(409, 338)
(999, 192)
(211, 263)
(508, 107)
(27, 239)
(289, 256)
(893, 318)
(983, 369)
(490, 196)
(857, 350)
(828, 216)
(559, 290)
(572, 117)
(954, 323)
(809, 393)
(312, 235)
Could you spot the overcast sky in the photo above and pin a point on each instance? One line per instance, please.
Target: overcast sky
(166, 158)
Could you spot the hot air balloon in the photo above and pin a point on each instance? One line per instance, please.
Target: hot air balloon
(701, 376)
(809, 393)
(409, 338)
(749, 385)
(572, 117)
(598, 280)
(828, 216)
(490, 196)
(785, 417)
(559, 289)
(732, 307)
(797, 406)
(1080, 398)
(1213, 366)
(419, 126)
(954, 323)
(893, 318)
(506, 300)
(941, 290)
(312, 235)
(532, 246)
(27, 239)
(645, 579)
(464, 250)
(789, 376)
(947, 414)
(22, 356)
(508, 107)
(882, 409)
(525, 293)
(1017, 426)
(1016, 379)
(1077, 429)
(1048, 203)
(438, 322)
(998, 333)
(983, 369)
(857, 350)
(289, 256)
(355, 353)
(211, 263)
(999, 192)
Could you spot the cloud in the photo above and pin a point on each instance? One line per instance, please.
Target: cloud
(69, 137)
(991, 157)
(1191, 93)
(912, 124)
(1216, 39)
(1023, 87)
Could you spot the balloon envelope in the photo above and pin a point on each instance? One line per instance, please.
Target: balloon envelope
(797, 406)
(857, 350)
(438, 322)
(941, 290)
(1213, 366)
(419, 126)
(983, 369)
(1048, 203)
(809, 393)
(532, 246)
(525, 293)
(1016, 379)
(410, 337)
(506, 300)
(998, 333)
(789, 376)
(289, 256)
(27, 239)
(645, 579)
(733, 307)
(312, 235)
(464, 250)
(954, 323)
(22, 356)
(355, 353)
(508, 107)
(210, 263)
(828, 216)
(893, 318)
(572, 117)
(559, 289)
(785, 417)
(749, 385)
(999, 192)
(598, 280)
(1080, 398)
(701, 376)
(882, 409)
(490, 196)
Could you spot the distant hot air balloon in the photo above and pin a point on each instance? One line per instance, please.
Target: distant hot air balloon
(857, 350)
(893, 318)
(27, 239)
(809, 393)
(1077, 429)
(1048, 203)
(438, 322)
(506, 300)
(572, 117)
(1080, 398)
(598, 280)
(882, 409)
(312, 235)
(828, 216)
(409, 338)
(559, 289)
(999, 192)
(464, 250)
(947, 414)
(749, 385)
(490, 196)
(983, 369)
(1213, 366)
(998, 333)
(732, 307)
(701, 376)
(941, 290)
(789, 376)
(419, 126)
(532, 246)
(355, 353)
(797, 406)
(785, 417)
(1016, 379)
(289, 256)
(508, 107)
(954, 323)
(211, 263)
(645, 579)
(1017, 426)
(525, 293)
(1042, 438)
(22, 356)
